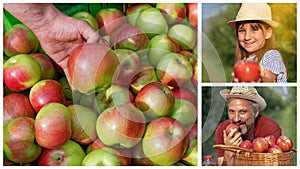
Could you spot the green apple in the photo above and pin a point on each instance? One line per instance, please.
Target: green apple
(86, 16)
(184, 111)
(19, 142)
(184, 35)
(69, 154)
(104, 157)
(173, 12)
(161, 45)
(83, 124)
(134, 10)
(152, 22)
(121, 126)
(191, 155)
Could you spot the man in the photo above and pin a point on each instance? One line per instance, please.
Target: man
(244, 105)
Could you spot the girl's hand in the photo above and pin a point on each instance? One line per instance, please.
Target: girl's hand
(268, 76)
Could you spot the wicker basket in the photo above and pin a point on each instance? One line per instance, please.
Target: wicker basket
(244, 157)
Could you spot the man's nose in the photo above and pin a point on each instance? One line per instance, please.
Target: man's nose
(237, 117)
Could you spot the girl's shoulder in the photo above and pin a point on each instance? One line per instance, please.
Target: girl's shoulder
(272, 53)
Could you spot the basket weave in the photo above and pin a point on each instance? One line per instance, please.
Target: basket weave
(244, 157)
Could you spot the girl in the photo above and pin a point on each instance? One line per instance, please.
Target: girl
(255, 41)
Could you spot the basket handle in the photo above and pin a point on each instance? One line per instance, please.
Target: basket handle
(230, 148)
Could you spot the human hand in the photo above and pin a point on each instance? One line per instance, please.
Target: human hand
(268, 76)
(232, 139)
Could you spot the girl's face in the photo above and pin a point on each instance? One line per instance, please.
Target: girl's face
(252, 37)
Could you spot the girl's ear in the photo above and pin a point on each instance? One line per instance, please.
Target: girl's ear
(268, 33)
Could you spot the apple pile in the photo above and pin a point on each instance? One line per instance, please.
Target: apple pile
(130, 99)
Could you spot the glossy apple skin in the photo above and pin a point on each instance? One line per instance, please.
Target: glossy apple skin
(83, 124)
(260, 145)
(174, 70)
(108, 19)
(47, 67)
(21, 72)
(184, 35)
(44, 92)
(128, 67)
(146, 74)
(275, 149)
(104, 157)
(139, 158)
(161, 45)
(134, 10)
(173, 12)
(186, 94)
(92, 67)
(231, 127)
(53, 125)
(18, 140)
(271, 140)
(191, 57)
(127, 36)
(246, 144)
(247, 71)
(19, 39)
(165, 141)
(192, 13)
(115, 95)
(152, 22)
(88, 17)
(121, 126)
(285, 143)
(69, 154)
(184, 112)
(155, 99)
(16, 105)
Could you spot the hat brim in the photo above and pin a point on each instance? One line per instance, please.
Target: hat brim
(259, 100)
(232, 23)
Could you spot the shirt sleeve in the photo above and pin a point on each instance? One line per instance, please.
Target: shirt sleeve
(273, 62)
(219, 139)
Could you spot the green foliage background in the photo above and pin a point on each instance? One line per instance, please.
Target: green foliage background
(223, 37)
(280, 105)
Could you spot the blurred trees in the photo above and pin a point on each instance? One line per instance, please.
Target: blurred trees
(223, 38)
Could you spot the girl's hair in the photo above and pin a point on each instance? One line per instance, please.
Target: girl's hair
(241, 53)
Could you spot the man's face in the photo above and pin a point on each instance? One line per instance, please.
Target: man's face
(241, 112)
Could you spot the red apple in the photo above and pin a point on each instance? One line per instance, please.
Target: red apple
(83, 124)
(155, 99)
(139, 158)
(231, 128)
(19, 39)
(53, 125)
(161, 45)
(184, 112)
(192, 58)
(19, 142)
(184, 35)
(114, 96)
(173, 12)
(246, 144)
(134, 10)
(105, 156)
(88, 17)
(127, 36)
(174, 70)
(271, 140)
(121, 126)
(165, 141)
(186, 94)
(195, 75)
(69, 154)
(92, 67)
(285, 143)
(128, 67)
(47, 67)
(152, 22)
(21, 72)
(192, 13)
(44, 92)
(247, 71)
(16, 105)
(108, 19)
(260, 145)
(275, 149)
(191, 155)
(146, 74)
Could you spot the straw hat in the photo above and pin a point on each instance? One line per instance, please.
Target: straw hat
(254, 11)
(242, 92)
